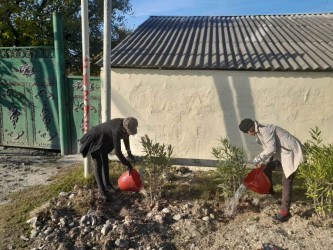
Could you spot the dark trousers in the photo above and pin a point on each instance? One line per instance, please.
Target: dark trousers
(287, 184)
(101, 169)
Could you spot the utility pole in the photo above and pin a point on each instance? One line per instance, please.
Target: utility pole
(106, 79)
(86, 77)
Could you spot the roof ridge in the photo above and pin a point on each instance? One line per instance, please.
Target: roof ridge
(272, 14)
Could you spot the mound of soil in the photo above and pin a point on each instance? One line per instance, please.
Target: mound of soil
(126, 221)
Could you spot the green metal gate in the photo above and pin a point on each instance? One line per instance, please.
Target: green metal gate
(75, 86)
(28, 98)
(32, 84)
(29, 115)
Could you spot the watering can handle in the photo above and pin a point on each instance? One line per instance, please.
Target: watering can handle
(262, 166)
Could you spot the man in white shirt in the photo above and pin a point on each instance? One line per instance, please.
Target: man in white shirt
(280, 145)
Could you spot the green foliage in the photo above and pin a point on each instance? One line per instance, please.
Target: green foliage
(317, 172)
(231, 169)
(156, 163)
(29, 23)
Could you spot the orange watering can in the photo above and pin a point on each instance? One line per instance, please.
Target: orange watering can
(130, 182)
(257, 181)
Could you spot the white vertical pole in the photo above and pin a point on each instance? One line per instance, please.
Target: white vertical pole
(86, 76)
(106, 79)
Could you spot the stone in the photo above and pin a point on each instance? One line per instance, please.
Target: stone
(206, 218)
(54, 215)
(158, 218)
(93, 221)
(84, 219)
(187, 206)
(106, 229)
(48, 231)
(128, 218)
(36, 224)
(122, 243)
(178, 217)
(150, 215)
(63, 221)
(166, 210)
(74, 232)
(91, 212)
(32, 220)
(206, 211)
(63, 194)
(255, 201)
(34, 233)
(22, 237)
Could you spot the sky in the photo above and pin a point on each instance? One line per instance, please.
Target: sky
(142, 9)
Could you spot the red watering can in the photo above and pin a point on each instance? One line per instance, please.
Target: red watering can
(130, 182)
(257, 181)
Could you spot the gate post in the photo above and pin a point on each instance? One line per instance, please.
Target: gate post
(62, 89)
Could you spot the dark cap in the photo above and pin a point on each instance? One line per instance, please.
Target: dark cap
(245, 125)
(130, 124)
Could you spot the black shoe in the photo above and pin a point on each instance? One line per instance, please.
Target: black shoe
(110, 189)
(102, 195)
(282, 218)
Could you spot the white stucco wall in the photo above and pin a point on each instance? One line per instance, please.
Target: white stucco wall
(192, 109)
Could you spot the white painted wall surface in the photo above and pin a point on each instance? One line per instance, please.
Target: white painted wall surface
(192, 109)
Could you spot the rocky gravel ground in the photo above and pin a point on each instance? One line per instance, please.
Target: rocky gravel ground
(126, 222)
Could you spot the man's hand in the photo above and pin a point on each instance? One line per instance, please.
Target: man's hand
(261, 165)
(129, 167)
(258, 162)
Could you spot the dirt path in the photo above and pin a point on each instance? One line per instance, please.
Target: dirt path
(23, 167)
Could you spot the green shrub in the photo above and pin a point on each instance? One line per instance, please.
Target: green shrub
(156, 163)
(317, 172)
(231, 168)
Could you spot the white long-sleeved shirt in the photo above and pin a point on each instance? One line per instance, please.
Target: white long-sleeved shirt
(280, 144)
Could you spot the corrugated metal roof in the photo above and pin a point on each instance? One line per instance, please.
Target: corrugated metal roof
(294, 42)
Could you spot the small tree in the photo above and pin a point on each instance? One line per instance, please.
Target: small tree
(156, 163)
(317, 172)
(231, 168)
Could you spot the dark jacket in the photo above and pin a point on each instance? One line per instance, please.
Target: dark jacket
(105, 137)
